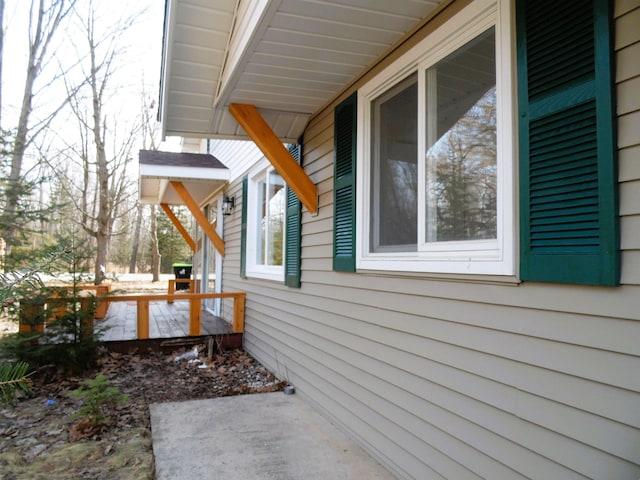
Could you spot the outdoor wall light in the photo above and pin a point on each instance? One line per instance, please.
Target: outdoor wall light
(228, 204)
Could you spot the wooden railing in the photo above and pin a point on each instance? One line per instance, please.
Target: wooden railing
(102, 292)
(195, 309)
(33, 317)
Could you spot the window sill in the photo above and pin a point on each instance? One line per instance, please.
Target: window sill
(502, 280)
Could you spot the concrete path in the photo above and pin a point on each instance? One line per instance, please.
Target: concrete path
(269, 436)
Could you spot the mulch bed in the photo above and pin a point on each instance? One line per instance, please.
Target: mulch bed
(41, 438)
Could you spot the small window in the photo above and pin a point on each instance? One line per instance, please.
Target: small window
(435, 153)
(265, 224)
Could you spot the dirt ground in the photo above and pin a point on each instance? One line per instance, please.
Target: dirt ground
(41, 438)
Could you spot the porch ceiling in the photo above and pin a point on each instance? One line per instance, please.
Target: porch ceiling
(286, 57)
(202, 175)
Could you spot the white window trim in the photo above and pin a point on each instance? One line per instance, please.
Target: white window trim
(266, 272)
(487, 257)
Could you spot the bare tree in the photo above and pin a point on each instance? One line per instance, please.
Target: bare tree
(155, 247)
(106, 144)
(1, 54)
(45, 20)
(135, 244)
(150, 132)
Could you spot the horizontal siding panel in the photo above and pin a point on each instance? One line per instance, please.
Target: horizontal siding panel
(628, 159)
(625, 6)
(630, 197)
(631, 268)
(630, 232)
(350, 378)
(447, 402)
(629, 130)
(617, 404)
(628, 97)
(627, 29)
(627, 65)
(586, 330)
(319, 384)
(620, 302)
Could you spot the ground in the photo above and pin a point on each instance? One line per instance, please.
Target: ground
(40, 438)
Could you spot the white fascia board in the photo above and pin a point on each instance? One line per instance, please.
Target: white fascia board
(251, 23)
(177, 172)
(167, 54)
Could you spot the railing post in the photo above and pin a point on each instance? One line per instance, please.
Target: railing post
(31, 317)
(143, 318)
(57, 304)
(86, 316)
(195, 316)
(102, 291)
(238, 312)
(172, 288)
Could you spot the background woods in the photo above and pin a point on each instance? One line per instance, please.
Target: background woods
(74, 113)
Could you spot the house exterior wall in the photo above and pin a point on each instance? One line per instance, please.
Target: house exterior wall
(453, 378)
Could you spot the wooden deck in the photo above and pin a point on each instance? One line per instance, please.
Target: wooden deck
(166, 320)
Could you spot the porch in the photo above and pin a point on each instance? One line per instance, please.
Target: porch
(147, 317)
(166, 320)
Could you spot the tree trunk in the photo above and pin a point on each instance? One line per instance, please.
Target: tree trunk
(136, 240)
(155, 264)
(1, 55)
(43, 25)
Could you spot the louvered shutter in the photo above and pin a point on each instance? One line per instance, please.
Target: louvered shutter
(344, 248)
(568, 179)
(293, 236)
(243, 229)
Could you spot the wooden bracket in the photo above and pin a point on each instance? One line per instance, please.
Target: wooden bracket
(176, 223)
(199, 216)
(268, 142)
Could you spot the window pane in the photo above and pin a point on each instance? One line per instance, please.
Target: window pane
(461, 144)
(276, 211)
(394, 174)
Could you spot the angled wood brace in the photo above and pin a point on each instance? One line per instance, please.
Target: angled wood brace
(200, 217)
(268, 142)
(176, 223)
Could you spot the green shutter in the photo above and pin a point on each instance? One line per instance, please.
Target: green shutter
(293, 236)
(344, 237)
(568, 165)
(243, 229)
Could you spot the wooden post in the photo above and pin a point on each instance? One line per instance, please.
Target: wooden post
(143, 318)
(238, 313)
(31, 317)
(56, 305)
(171, 289)
(102, 302)
(86, 317)
(195, 316)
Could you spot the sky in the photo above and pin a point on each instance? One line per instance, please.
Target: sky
(141, 57)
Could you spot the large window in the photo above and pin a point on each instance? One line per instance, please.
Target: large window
(265, 224)
(435, 153)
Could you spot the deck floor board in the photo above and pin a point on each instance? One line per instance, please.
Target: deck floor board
(166, 320)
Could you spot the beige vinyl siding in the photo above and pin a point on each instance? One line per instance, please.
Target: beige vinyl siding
(446, 378)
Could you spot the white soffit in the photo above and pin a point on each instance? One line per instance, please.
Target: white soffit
(201, 174)
(286, 57)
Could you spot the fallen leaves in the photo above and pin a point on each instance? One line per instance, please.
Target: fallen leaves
(37, 430)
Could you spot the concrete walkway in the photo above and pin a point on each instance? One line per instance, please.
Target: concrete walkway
(269, 436)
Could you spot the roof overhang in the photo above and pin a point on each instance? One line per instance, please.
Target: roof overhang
(288, 58)
(202, 175)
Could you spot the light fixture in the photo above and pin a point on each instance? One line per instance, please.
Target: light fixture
(228, 204)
